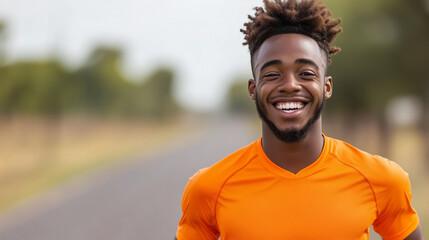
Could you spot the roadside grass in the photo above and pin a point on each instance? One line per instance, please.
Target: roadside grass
(39, 153)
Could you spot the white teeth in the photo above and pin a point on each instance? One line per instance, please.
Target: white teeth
(290, 106)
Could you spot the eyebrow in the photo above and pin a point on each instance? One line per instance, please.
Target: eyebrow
(297, 61)
(269, 63)
(306, 61)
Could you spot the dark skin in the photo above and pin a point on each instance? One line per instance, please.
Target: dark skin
(290, 69)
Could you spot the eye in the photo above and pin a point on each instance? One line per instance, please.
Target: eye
(307, 74)
(270, 76)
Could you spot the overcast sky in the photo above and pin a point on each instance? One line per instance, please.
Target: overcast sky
(200, 39)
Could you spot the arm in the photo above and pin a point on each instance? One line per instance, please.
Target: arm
(416, 235)
(396, 218)
(198, 200)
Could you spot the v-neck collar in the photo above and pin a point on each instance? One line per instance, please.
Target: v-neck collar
(307, 171)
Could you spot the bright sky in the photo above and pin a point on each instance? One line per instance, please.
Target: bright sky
(200, 39)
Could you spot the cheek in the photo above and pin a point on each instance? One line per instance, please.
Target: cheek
(260, 90)
(316, 89)
(266, 88)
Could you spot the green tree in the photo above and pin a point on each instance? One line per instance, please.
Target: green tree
(384, 47)
(238, 99)
(32, 87)
(155, 95)
(99, 87)
(100, 83)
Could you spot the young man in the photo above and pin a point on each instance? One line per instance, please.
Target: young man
(295, 182)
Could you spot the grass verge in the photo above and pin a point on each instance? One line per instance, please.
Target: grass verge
(39, 153)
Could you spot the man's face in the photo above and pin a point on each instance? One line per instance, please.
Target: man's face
(290, 85)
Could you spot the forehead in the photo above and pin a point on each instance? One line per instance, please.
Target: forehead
(287, 48)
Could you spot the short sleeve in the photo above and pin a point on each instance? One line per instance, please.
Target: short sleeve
(396, 217)
(198, 220)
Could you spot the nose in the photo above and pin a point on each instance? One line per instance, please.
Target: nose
(289, 83)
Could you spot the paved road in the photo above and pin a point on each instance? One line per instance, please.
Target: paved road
(138, 200)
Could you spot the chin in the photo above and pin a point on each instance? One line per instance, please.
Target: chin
(290, 134)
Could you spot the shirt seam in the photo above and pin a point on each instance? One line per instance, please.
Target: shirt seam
(223, 185)
(364, 177)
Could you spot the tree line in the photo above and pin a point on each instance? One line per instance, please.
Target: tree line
(99, 87)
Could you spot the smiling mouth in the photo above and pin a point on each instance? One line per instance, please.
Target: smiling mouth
(289, 107)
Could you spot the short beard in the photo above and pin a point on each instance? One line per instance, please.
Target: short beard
(289, 135)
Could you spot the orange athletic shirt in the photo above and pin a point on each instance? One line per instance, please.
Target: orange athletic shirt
(246, 196)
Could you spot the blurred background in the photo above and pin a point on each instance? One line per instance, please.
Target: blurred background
(107, 107)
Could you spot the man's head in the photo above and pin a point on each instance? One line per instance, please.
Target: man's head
(290, 45)
(307, 17)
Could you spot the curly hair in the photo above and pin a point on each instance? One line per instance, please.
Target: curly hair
(307, 17)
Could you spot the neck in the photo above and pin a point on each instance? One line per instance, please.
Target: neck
(295, 156)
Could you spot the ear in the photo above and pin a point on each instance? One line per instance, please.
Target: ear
(328, 87)
(251, 88)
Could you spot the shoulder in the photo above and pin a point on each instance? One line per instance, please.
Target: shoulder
(200, 196)
(379, 171)
(207, 182)
(390, 184)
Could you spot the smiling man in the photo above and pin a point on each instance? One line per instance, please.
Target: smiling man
(295, 182)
